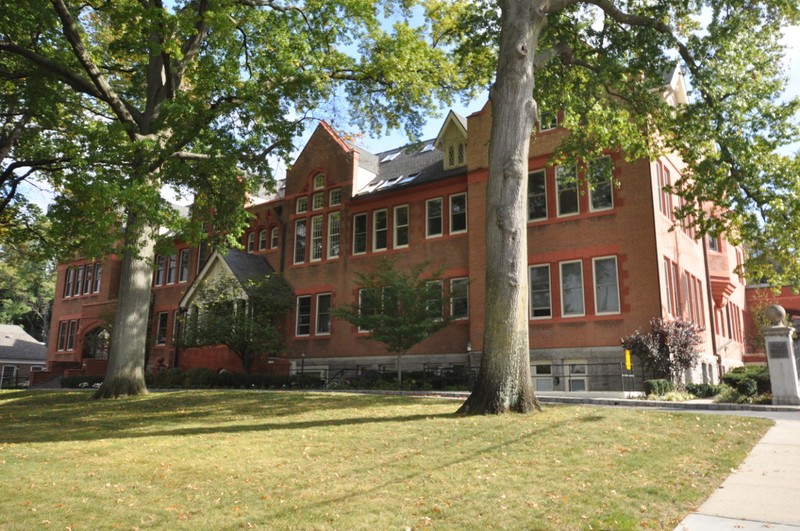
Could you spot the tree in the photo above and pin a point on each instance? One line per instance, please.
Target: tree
(669, 348)
(602, 62)
(243, 318)
(194, 95)
(399, 308)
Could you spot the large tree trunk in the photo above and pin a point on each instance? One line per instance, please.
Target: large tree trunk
(504, 381)
(125, 374)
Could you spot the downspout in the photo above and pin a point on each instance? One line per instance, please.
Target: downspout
(712, 322)
(279, 210)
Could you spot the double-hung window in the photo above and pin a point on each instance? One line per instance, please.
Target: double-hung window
(87, 279)
(68, 280)
(433, 217)
(78, 281)
(172, 268)
(601, 190)
(316, 238)
(183, 276)
(323, 326)
(572, 289)
(334, 228)
(161, 331)
(303, 324)
(360, 233)
(380, 230)
(159, 276)
(606, 285)
(541, 301)
(251, 242)
(567, 197)
(537, 196)
(273, 238)
(262, 240)
(98, 276)
(299, 241)
(458, 213)
(459, 298)
(400, 226)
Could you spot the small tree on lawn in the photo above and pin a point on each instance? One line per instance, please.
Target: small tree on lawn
(242, 318)
(399, 308)
(669, 348)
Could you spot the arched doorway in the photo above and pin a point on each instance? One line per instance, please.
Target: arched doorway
(96, 344)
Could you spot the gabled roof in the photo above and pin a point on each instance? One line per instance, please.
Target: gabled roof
(243, 267)
(18, 345)
(453, 119)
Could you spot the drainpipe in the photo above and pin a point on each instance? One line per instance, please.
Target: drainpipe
(712, 322)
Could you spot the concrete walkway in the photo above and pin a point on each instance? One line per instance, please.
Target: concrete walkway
(764, 492)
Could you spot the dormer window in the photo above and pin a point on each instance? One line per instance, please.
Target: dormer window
(456, 155)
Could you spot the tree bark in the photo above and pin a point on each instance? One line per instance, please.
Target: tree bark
(504, 380)
(125, 373)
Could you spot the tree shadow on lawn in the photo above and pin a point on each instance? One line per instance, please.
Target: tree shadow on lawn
(72, 416)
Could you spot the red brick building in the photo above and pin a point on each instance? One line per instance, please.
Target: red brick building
(603, 260)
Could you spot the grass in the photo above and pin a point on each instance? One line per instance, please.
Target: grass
(272, 460)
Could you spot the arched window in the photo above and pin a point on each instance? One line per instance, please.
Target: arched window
(273, 238)
(262, 240)
(319, 181)
(251, 242)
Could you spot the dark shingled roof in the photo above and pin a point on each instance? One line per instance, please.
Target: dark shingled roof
(247, 267)
(17, 345)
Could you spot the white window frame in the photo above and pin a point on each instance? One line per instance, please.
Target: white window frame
(376, 229)
(251, 242)
(171, 275)
(452, 214)
(334, 235)
(552, 124)
(361, 292)
(597, 286)
(543, 173)
(582, 375)
(542, 381)
(318, 201)
(98, 277)
(297, 317)
(335, 197)
(301, 206)
(262, 239)
(183, 265)
(318, 183)
(398, 225)
(330, 315)
(561, 288)
(365, 217)
(428, 233)
(593, 184)
(549, 292)
(159, 339)
(297, 223)
(454, 281)
(274, 238)
(317, 239)
(559, 171)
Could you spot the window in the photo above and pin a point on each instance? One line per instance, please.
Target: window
(366, 305)
(299, 241)
(577, 372)
(451, 156)
(334, 227)
(713, 243)
(302, 205)
(68, 282)
(542, 373)
(319, 181)
(400, 226)
(73, 328)
(547, 120)
(567, 197)
(62, 335)
(461, 158)
(458, 213)
(537, 196)
(177, 329)
(459, 298)
(601, 194)
(316, 238)
(303, 325)
(251, 242)
(158, 279)
(335, 197)
(172, 268)
(380, 230)
(434, 303)
(606, 285)
(318, 201)
(183, 276)
(541, 303)
(161, 332)
(262, 240)
(572, 289)
(433, 215)
(667, 278)
(273, 238)
(76, 288)
(324, 314)
(359, 234)
(87, 279)
(98, 275)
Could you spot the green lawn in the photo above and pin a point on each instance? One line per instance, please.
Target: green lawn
(272, 460)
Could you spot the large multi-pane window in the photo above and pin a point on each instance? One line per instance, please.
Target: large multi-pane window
(459, 298)
(401, 226)
(458, 213)
(299, 241)
(567, 187)
(433, 217)
(434, 301)
(318, 201)
(98, 275)
(303, 324)
(601, 190)
(68, 280)
(334, 229)
(262, 240)
(606, 285)
(159, 274)
(323, 326)
(541, 300)
(380, 230)
(537, 196)
(62, 335)
(301, 206)
(161, 331)
(87, 279)
(76, 288)
(73, 329)
(172, 268)
(335, 197)
(572, 289)
(183, 276)
(316, 238)
(359, 234)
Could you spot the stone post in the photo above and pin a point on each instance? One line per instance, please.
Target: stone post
(780, 358)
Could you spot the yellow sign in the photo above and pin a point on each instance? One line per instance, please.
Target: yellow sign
(627, 359)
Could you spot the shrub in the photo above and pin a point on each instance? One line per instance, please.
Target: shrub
(744, 378)
(704, 390)
(669, 348)
(658, 387)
